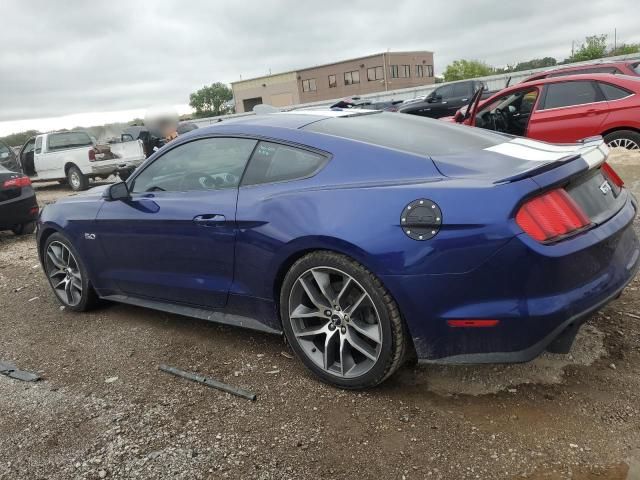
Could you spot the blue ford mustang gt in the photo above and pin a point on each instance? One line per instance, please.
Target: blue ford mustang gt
(366, 238)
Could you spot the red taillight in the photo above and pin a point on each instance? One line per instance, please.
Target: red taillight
(551, 215)
(611, 174)
(17, 182)
(472, 323)
(92, 155)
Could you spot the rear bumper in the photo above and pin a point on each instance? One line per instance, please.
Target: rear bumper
(129, 164)
(22, 209)
(537, 292)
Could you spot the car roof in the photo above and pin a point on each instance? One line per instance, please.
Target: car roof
(565, 68)
(605, 77)
(294, 119)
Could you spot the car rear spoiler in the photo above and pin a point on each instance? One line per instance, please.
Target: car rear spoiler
(592, 150)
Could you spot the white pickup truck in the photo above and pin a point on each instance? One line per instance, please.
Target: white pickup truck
(74, 157)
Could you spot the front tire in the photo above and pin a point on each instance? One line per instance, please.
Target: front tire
(341, 322)
(623, 139)
(24, 228)
(67, 274)
(77, 181)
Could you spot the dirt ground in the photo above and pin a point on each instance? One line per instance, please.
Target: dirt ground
(104, 410)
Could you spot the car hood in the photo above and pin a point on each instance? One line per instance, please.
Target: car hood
(519, 158)
(90, 194)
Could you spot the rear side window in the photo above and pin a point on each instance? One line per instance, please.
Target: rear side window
(636, 67)
(272, 162)
(62, 141)
(444, 92)
(568, 94)
(612, 92)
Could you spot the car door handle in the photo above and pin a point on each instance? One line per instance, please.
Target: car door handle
(209, 219)
(464, 100)
(593, 111)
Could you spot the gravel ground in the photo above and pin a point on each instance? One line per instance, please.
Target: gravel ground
(103, 410)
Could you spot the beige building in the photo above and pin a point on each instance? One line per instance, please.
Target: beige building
(371, 74)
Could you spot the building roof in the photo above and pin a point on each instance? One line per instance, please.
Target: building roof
(327, 65)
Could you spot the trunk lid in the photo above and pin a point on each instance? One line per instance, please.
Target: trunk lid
(517, 158)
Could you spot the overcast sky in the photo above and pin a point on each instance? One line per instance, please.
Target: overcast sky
(66, 57)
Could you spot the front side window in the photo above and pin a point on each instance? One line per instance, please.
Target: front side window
(273, 162)
(62, 141)
(510, 113)
(309, 85)
(375, 73)
(569, 94)
(205, 164)
(351, 77)
(393, 69)
(332, 81)
(38, 145)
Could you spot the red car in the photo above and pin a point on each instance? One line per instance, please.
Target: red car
(564, 109)
(617, 68)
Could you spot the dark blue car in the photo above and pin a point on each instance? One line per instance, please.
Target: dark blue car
(365, 237)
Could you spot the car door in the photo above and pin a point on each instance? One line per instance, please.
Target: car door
(174, 238)
(436, 103)
(568, 111)
(460, 97)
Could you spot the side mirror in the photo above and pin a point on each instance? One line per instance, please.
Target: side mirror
(117, 191)
(459, 116)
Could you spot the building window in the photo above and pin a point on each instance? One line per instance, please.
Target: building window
(429, 70)
(405, 71)
(394, 71)
(332, 81)
(351, 77)
(419, 71)
(375, 73)
(309, 85)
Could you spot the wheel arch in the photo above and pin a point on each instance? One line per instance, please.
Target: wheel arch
(67, 167)
(333, 245)
(618, 129)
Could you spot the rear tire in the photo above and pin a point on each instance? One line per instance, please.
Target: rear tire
(24, 228)
(623, 138)
(350, 334)
(77, 181)
(67, 274)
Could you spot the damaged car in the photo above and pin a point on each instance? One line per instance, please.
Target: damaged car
(364, 237)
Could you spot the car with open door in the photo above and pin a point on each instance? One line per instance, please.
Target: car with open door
(365, 237)
(445, 100)
(564, 109)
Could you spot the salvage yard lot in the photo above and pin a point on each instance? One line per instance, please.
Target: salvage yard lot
(103, 409)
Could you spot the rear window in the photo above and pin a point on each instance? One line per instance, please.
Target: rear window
(612, 92)
(568, 94)
(62, 141)
(408, 133)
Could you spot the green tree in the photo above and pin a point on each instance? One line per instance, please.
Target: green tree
(625, 49)
(209, 100)
(18, 139)
(462, 69)
(594, 46)
(534, 63)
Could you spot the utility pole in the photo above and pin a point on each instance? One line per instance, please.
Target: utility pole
(615, 39)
